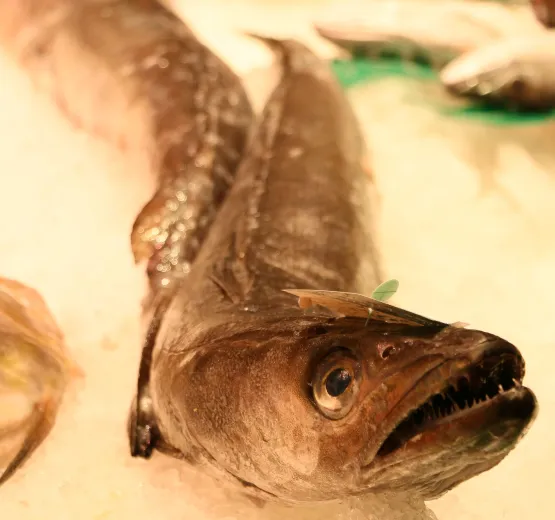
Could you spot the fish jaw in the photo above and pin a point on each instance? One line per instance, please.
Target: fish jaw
(246, 404)
(461, 419)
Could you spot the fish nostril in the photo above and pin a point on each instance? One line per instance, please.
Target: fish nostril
(386, 351)
(317, 330)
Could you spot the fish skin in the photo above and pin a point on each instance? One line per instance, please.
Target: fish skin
(544, 11)
(236, 363)
(35, 370)
(134, 73)
(517, 73)
(231, 318)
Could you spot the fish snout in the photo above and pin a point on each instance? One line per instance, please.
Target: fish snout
(458, 418)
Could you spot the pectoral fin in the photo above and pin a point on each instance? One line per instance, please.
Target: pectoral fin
(358, 305)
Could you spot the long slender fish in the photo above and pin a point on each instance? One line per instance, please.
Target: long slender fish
(310, 405)
(135, 73)
(35, 369)
(517, 72)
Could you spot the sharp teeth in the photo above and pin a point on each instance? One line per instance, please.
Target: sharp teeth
(452, 401)
(516, 382)
(501, 390)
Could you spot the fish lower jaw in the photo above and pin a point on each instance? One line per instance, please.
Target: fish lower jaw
(479, 405)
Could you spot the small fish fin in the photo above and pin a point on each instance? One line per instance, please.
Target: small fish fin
(38, 425)
(460, 325)
(358, 305)
(158, 236)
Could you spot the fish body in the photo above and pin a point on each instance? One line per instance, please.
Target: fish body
(431, 32)
(134, 73)
(319, 403)
(517, 72)
(544, 11)
(35, 369)
(297, 405)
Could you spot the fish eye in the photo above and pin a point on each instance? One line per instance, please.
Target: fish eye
(338, 381)
(335, 383)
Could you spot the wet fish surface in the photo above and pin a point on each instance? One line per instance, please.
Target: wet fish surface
(296, 405)
(35, 370)
(134, 73)
(517, 73)
(307, 405)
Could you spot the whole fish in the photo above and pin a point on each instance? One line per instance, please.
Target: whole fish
(518, 73)
(430, 32)
(305, 405)
(133, 72)
(35, 369)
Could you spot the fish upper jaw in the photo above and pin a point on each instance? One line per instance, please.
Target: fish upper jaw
(461, 418)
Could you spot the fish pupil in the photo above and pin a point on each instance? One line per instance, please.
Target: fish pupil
(338, 381)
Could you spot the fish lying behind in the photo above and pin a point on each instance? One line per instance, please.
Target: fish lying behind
(35, 370)
(134, 73)
(309, 405)
(518, 73)
(544, 11)
(429, 32)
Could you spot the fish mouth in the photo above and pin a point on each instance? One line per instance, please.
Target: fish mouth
(479, 398)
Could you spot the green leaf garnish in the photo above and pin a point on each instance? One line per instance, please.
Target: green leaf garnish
(386, 290)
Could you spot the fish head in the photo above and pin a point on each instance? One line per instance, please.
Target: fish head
(509, 73)
(313, 408)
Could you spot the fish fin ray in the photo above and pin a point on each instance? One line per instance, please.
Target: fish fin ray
(358, 305)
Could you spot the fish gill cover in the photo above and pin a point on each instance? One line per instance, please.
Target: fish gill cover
(362, 71)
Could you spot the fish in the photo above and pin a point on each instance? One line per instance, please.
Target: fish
(315, 399)
(544, 10)
(135, 74)
(35, 371)
(516, 73)
(423, 32)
